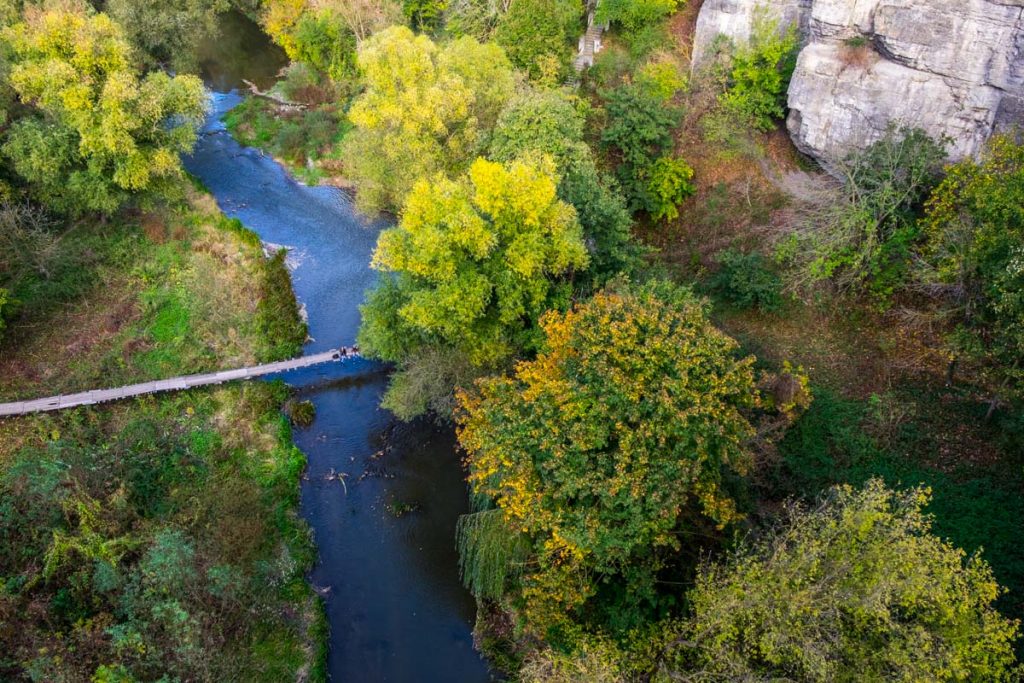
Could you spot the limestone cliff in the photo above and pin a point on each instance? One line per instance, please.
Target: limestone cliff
(952, 67)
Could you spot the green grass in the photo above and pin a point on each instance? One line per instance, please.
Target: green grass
(123, 305)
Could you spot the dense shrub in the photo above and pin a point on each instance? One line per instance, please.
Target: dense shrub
(282, 330)
(746, 281)
(760, 75)
(861, 236)
(538, 35)
(476, 18)
(670, 183)
(144, 540)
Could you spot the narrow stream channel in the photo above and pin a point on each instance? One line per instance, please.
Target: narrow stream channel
(387, 564)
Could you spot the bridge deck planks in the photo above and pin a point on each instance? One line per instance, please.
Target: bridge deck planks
(88, 398)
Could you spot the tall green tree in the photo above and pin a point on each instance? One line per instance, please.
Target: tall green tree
(426, 109)
(539, 35)
(323, 41)
(639, 132)
(551, 122)
(856, 589)
(101, 132)
(620, 434)
(471, 266)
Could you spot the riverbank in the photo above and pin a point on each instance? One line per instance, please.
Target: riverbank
(158, 536)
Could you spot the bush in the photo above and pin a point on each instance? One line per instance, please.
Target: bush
(301, 413)
(661, 77)
(476, 18)
(281, 327)
(861, 235)
(634, 15)
(669, 185)
(760, 75)
(746, 281)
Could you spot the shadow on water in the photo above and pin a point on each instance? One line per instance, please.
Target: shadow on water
(239, 51)
(395, 605)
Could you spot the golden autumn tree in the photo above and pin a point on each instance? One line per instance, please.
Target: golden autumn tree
(472, 265)
(602, 448)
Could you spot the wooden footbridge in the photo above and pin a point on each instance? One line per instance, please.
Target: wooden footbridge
(89, 398)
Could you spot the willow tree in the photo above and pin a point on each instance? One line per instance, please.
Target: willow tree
(615, 438)
(426, 109)
(100, 132)
(471, 266)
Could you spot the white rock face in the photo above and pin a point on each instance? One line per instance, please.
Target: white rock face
(954, 68)
(735, 20)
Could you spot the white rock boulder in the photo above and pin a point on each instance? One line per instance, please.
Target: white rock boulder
(954, 68)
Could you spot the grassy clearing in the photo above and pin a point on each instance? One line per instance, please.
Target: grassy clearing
(909, 437)
(147, 298)
(157, 537)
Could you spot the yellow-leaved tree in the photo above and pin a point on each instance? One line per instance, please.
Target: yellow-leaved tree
(100, 132)
(471, 266)
(605, 450)
(426, 109)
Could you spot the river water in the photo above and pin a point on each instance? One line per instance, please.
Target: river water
(387, 564)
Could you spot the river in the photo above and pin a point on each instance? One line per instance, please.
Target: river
(387, 564)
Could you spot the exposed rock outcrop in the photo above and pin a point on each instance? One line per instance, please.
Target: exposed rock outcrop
(735, 20)
(952, 67)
